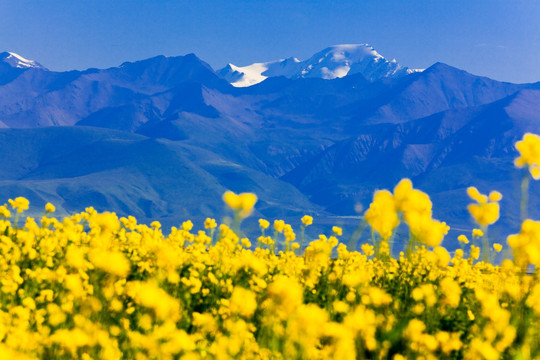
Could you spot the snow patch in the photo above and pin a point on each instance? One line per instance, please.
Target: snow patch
(333, 62)
(251, 74)
(17, 61)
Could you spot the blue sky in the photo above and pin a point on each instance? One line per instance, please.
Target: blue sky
(495, 38)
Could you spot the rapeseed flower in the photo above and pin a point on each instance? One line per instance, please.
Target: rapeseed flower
(529, 154)
(486, 210)
(4, 212)
(106, 222)
(20, 204)
(243, 302)
(264, 224)
(526, 244)
(477, 233)
(382, 215)
(426, 230)
(50, 208)
(210, 223)
(307, 220)
(242, 203)
(411, 201)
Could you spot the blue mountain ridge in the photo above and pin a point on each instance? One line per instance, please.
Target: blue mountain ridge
(163, 138)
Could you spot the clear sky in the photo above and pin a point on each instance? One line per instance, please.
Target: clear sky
(495, 38)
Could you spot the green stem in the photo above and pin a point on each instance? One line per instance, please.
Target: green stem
(353, 241)
(303, 227)
(524, 195)
(410, 246)
(273, 246)
(259, 244)
(236, 222)
(485, 245)
(375, 244)
(212, 231)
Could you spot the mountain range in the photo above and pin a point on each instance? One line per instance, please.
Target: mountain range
(163, 138)
(333, 62)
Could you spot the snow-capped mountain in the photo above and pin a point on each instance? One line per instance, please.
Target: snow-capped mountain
(17, 61)
(333, 62)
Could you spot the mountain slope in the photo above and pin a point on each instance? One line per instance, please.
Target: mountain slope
(77, 167)
(37, 97)
(443, 154)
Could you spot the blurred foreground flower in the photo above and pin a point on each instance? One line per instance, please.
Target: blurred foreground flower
(242, 203)
(529, 151)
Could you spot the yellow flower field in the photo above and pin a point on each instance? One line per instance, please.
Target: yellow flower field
(95, 286)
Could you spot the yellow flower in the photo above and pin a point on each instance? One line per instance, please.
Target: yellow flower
(289, 233)
(245, 242)
(382, 215)
(113, 262)
(462, 238)
(526, 244)
(279, 225)
(477, 233)
(442, 255)
(108, 222)
(475, 252)
(427, 230)
(4, 212)
(476, 195)
(20, 204)
(187, 225)
(452, 292)
(337, 230)
(264, 224)
(495, 196)
(379, 297)
(484, 212)
(267, 240)
(286, 295)
(497, 247)
(49, 208)
(409, 200)
(75, 257)
(368, 249)
(243, 302)
(210, 223)
(243, 203)
(307, 220)
(232, 199)
(340, 306)
(529, 151)
(150, 295)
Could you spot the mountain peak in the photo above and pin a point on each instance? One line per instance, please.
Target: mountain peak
(333, 62)
(17, 61)
(171, 71)
(348, 52)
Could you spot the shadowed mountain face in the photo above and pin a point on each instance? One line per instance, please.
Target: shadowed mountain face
(152, 179)
(163, 138)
